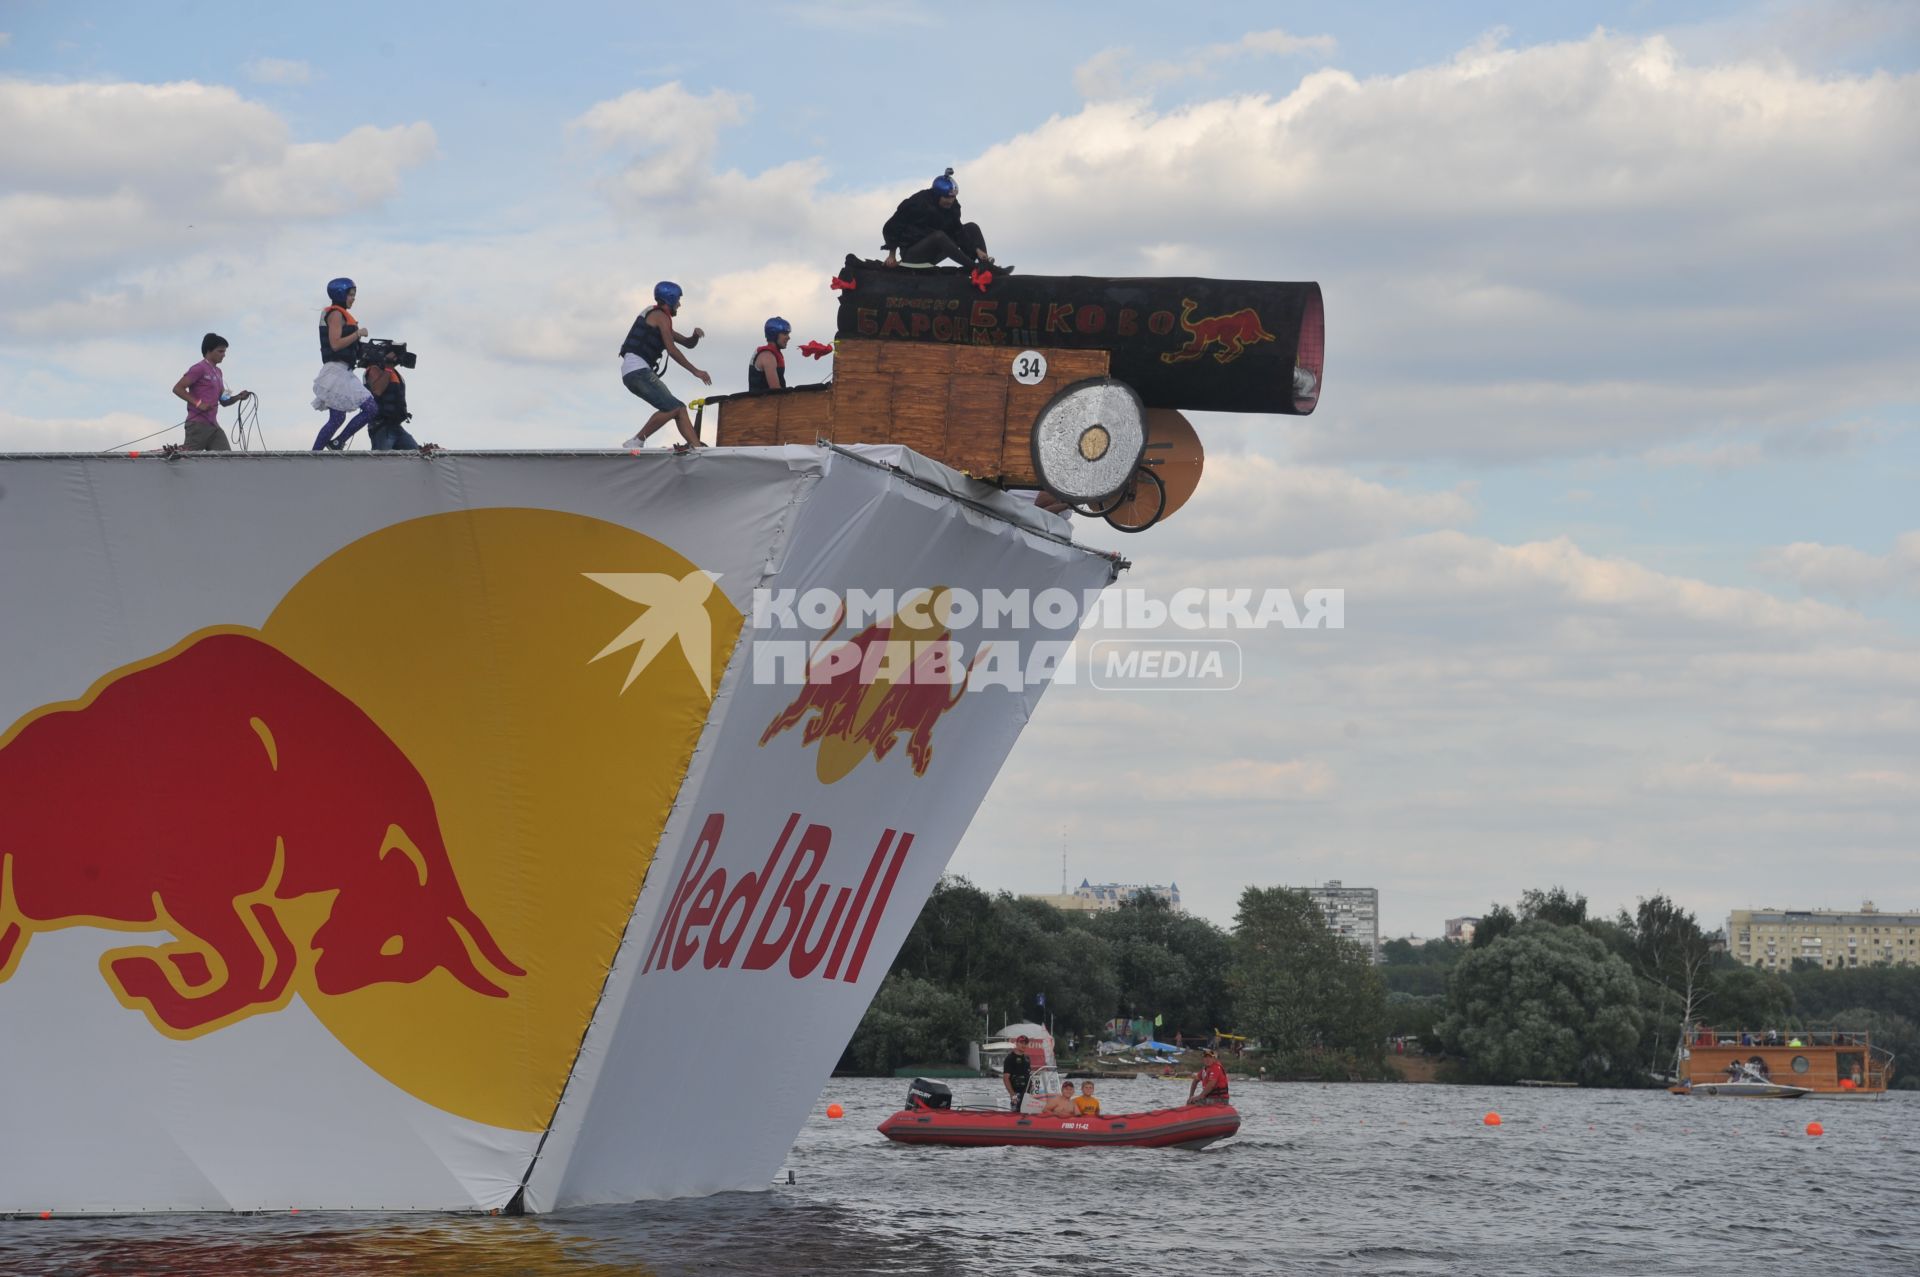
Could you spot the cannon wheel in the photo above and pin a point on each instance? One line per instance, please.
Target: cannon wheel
(1141, 503)
(1088, 440)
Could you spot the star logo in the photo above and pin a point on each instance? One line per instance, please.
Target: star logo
(674, 609)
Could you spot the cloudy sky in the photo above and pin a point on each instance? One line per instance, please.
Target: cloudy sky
(1616, 456)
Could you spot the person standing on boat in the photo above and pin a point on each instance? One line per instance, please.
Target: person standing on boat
(1016, 1074)
(1210, 1084)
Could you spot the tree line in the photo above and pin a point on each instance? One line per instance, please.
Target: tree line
(1546, 990)
(1315, 1001)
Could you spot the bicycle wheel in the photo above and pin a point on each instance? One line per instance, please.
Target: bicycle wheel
(1102, 507)
(1145, 501)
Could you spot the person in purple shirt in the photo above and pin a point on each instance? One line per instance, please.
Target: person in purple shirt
(204, 391)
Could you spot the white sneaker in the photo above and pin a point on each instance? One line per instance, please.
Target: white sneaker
(631, 444)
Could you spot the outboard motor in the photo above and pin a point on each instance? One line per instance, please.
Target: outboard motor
(925, 1094)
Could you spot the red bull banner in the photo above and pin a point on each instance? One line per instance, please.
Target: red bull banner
(387, 832)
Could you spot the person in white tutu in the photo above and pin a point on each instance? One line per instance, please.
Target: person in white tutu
(336, 390)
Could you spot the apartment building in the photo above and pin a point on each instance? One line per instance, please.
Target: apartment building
(1772, 938)
(1352, 912)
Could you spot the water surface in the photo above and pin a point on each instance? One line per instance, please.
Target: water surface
(1392, 1179)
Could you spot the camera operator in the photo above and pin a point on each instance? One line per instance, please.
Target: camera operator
(334, 389)
(388, 433)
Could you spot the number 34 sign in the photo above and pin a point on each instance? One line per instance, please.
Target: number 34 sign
(1029, 367)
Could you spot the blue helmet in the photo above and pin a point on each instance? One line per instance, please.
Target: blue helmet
(776, 326)
(667, 293)
(944, 185)
(337, 290)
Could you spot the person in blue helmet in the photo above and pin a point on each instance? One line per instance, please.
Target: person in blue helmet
(336, 390)
(926, 230)
(650, 342)
(767, 370)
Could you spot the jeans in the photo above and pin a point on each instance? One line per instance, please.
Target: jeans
(390, 438)
(939, 246)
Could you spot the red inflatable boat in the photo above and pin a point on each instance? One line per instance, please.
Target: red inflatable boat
(1189, 1126)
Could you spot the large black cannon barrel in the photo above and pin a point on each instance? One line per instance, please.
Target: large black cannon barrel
(1227, 345)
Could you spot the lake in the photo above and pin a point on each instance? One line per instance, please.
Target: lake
(1380, 1179)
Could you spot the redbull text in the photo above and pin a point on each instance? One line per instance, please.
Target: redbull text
(789, 926)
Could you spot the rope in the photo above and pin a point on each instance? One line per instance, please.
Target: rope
(122, 447)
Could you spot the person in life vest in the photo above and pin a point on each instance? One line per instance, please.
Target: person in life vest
(335, 390)
(650, 342)
(389, 433)
(926, 230)
(767, 370)
(1210, 1084)
(1016, 1074)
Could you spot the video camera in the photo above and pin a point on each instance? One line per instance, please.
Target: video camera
(378, 352)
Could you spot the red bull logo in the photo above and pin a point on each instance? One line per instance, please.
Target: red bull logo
(1233, 333)
(893, 680)
(704, 917)
(298, 841)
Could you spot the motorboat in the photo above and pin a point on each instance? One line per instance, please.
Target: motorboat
(930, 1118)
(1743, 1082)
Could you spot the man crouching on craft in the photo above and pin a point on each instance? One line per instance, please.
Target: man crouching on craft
(1017, 1073)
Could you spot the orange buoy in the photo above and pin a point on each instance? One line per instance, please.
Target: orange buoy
(1491, 1119)
(1814, 1128)
(835, 1111)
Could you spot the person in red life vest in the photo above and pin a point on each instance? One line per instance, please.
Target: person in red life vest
(768, 368)
(1016, 1074)
(650, 342)
(1210, 1084)
(205, 393)
(336, 390)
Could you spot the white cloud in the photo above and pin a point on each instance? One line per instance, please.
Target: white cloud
(279, 71)
(1842, 571)
(1118, 73)
(107, 177)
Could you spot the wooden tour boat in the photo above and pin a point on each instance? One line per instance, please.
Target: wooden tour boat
(1827, 1064)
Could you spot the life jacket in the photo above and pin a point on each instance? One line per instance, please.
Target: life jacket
(757, 380)
(346, 354)
(644, 340)
(392, 399)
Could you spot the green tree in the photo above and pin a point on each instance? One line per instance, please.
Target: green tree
(1557, 905)
(1297, 985)
(1496, 922)
(1749, 998)
(1890, 1032)
(1672, 955)
(911, 1021)
(1544, 1001)
(1167, 964)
